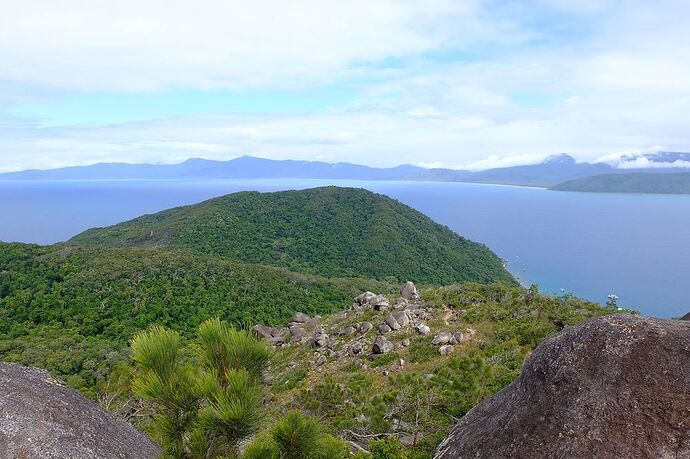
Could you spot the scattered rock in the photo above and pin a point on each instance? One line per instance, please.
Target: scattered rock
(383, 329)
(321, 339)
(364, 298)
(405, 342)
(365, 327)
(456, 338)
(40, 417)
(409, 291)
(300, 318)
(263, 331)
(347, 331)
(616, 386)
(381, 345)
(297, 331)
(392, 323)
(445, 349)
(423, 329)
(321, 360)
(441, 338)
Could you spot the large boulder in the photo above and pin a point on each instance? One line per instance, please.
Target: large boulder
(409, 291)
(40, 417)
(616, 386)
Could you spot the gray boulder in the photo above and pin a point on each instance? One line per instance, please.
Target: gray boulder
(456, 338)
(300, 318)
(409, 291)
(442, 338)
(365, 327)
(384, 328)
(445, 349)
(392, 323)
(616, 386)
(297, 331)
(40, 417)
(381, 345)
(423, 329)
(364, 298)
(263, 331)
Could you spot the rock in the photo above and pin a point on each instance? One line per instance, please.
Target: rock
(383, 329)
(297, 331)
(445, 349)
(405, 342)
(381, 345)
(423, 329)
(263, 331)
(321, 339)
(347, 331)
(40, 417)
(400, 303)
(300, 318)
(392, 323)
(441, 338)
(616, 386)
(321, 360)
(456, 338)
(364, 298)
(409, 291)
(356, 347)
(380, 303)
(402, 318)
(365, 327)
(342, 315)
(277, 331)
(276, 340)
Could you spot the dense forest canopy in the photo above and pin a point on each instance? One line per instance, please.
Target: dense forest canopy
(331, 231)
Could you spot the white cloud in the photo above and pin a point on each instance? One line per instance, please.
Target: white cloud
(149, 45)
(473, 83)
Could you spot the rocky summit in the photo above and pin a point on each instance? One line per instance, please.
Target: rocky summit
(616, 386)
(40, 417)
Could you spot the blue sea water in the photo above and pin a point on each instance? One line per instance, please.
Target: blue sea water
(633, 245)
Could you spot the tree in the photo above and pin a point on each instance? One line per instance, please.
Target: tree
(296, 436)
(204, 410)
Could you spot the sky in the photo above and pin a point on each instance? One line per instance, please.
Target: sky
(437, 83)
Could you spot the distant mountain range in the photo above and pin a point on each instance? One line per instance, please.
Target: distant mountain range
(552, 171)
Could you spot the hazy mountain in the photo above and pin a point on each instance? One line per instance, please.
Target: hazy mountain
(553, 170)
(635, 182)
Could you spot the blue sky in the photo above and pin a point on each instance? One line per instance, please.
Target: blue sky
(444, 83)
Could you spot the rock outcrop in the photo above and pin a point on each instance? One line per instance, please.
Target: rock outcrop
(40, 417)
(616, 386)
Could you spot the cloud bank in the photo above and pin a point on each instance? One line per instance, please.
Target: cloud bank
(451, 83)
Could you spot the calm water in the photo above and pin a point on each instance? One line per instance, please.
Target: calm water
(636, 246)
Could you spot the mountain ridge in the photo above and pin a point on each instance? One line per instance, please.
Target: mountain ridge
(553, 170)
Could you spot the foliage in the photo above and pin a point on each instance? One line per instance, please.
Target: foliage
(329, 231)
(203, 411)
(72, 310)
(296, 436)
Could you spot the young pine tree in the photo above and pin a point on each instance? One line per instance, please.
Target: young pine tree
(205, 410)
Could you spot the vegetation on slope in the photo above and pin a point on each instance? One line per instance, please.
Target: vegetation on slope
(413, 394)
(71, 310)
(630, 183)
(332, 232)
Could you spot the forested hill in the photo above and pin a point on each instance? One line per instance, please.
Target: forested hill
(330, 231)
(630, 183)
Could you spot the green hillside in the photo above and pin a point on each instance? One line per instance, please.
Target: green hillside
(72, 310)
(332, 232)
(630, 183)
